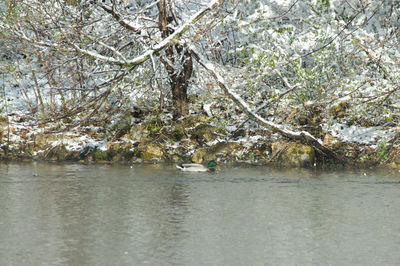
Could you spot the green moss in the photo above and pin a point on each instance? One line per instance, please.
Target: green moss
(99, 155)
(149, 151)
(204, 133)
(211, 153)
(293, 154)
(296, 151)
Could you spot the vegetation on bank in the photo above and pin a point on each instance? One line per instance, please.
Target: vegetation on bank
(195, 138)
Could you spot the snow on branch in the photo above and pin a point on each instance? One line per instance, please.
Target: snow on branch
(303, 136)
(124, 23)
(174, 37)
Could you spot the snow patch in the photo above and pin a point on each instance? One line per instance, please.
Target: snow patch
(358, 134)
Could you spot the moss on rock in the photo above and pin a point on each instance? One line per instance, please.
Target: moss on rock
(101, 155)
(210, 153)
(293, 154)
(204, 133)
(137, 133)
(42, 139)
(150, 151)
(181, 128)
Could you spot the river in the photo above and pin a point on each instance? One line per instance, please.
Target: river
(77, 214)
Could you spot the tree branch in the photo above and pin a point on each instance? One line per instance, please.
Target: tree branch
(126, 24)
(171, 39)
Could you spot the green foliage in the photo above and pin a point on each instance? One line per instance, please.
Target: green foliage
(323, 5)
(154, 124)
(382, 153)
(364, 158)
(251, 156)
(284, 29)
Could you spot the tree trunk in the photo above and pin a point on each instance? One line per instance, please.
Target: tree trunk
(179, 100)
(179, 83)
(179, 80)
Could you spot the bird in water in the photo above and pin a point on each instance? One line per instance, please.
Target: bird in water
(195, 167)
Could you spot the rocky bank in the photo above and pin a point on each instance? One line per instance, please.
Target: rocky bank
(195, 138)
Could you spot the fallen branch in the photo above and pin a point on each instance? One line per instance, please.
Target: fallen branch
(303, 136)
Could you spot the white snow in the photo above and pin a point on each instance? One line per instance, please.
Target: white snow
(358, 134)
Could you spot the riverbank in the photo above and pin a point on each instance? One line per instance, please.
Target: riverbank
(195, 138)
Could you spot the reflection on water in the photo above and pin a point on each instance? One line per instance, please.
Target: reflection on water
(57, 214)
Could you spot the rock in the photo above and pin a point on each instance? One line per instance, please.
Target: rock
(293, 154)
(181, 127)
(210, 153)
(149, 151)
(137, 133)
(329, 140)
(204, 133)
(194, 120)
(394, 165)
(42, 139)
(118, 151)
(198, 156)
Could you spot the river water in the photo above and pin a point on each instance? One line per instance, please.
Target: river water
(76, 214)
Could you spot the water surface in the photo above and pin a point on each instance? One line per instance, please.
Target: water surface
(76, 214)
